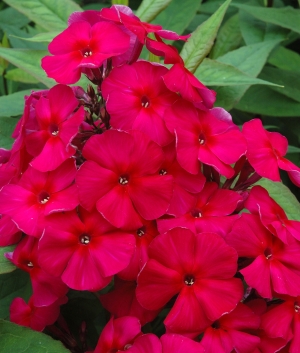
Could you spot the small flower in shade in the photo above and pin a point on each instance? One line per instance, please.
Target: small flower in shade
(283, 321)
(81, 46)
(58, 125)
(209, 212)
(272, 215)
(86, 252)
(204, 137)
(118, 335)
(137, 99)
(200, 269)
(186, 185)
(231, 331)
(266, 151)
(121, 178)
(39, 194)
(34, 317)
(46, 288)
(143, 237)
(128, 306)
(276, 263)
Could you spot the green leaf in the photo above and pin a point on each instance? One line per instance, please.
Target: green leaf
(255, 31)
(177, 17)
(12, 17)
(285, 59)
(228, 39)
(19, 339)
(6, 266)
(120, 2)
(7, 126)
(283, 196)
(202, 40)
(48, 14)
(265, 101)
(12, 285)
(286, 17)
(248, 59)
(19, 75)
(13, 104)
(288, 79)
(41, 37)
(149, 9)
(29, 61)
(214, 73)
(293, 149)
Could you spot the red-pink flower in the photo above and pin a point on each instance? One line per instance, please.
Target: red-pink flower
(86, 252)
(231, 332)
(46, 288)
(200, 268)
(128, 306)
(39, 194)
(121, 178)
(173, 343)
(9, 232)
(276, 263)
(58, 125)
(81, 46)
(272, 215)
(204, 137)
(34, 317)
(266, 151)
(137, 99)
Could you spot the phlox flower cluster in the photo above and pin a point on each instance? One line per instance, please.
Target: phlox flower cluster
(141, 184)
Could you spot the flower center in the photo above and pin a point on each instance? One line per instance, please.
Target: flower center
(87, 52)
(141, 231)
(145, 102)
(53, 128)
(127, 346)
(297, 307)
(43, 197)
(189, 280)
(29, 264)
(123, 180)
(196, 214)
(201, 139)
(84, 239)
(268, 254)
(162, 172)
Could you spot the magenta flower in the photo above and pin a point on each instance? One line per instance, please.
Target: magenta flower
(204, 137)
(58, 125)
(129, 305)
(46, 288)
(272, 215)
(121, 178)
(200, 269)
(172, 343)
(231, 331)
(278, 268)
(9, 232)
(88, 247)
(39, 194)
(137, 99)
(266, 151)
(81, 46)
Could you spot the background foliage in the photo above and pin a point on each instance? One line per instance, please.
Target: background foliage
(248, 51)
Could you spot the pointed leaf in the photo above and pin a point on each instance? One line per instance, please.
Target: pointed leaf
(229, 37)
(283, 196)
(29, 61)
(49, 14)
(20, 75)
(214, 73)
(177, 17)
(263, 100)
(149, 9)
(15, 338)
(202, 40)
(41, 37)
(286, 17)
(285, 59)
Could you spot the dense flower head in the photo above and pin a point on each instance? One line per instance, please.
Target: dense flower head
(138, 196)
